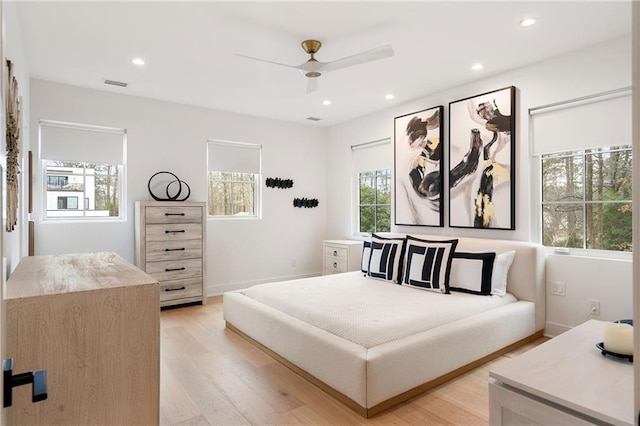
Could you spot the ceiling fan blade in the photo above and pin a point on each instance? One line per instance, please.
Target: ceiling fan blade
(269, 62)
(359, 58)
(312, 85)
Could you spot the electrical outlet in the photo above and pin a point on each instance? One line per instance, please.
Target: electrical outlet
(594, 307)
(558, 288)
(293, 263)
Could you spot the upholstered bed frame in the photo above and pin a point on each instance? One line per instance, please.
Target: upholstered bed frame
(372, 380)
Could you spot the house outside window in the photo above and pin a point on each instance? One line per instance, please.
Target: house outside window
(234, 179)
(83, 168)
(374, 205)
(96, 184)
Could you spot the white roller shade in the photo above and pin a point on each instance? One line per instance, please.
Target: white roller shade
(596, 122)
(233, 157)
(370, 156)
(81, 144)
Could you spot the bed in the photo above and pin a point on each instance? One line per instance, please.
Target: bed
(372, 343)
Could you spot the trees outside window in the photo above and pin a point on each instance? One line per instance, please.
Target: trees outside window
(374, 201)
(586, 199)
(232, 194)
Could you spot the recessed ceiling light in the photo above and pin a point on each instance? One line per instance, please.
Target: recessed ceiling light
(326, 102)
(389, 96)
(138, 61)
(477, 66)
(527, 22)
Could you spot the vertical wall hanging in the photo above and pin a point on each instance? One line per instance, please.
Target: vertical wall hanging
(418, 168)
(482, 136)
(13, 147)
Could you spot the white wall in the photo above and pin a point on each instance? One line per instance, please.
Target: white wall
(603, 67)
(172, 137)
(15, 242)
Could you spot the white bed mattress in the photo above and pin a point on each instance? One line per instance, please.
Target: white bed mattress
(357, 308)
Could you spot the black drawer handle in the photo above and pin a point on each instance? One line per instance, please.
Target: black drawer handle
(174, 214)
(37, 379)
(174, 269)
(335, 264)
(174, 289)
(335, 252)
(169, 232)
(178, 249)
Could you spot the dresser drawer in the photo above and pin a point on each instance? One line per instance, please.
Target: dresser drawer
(177, 214)
(173, 250)
(173, 232)
(336, 265)
(175, 269)
(180, 289)
(332, 251)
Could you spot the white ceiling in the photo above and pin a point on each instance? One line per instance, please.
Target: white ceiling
(189, 48)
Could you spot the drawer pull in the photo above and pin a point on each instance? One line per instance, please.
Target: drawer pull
(178, 249)
(169, 232)
(335, 264)
(174, 269)
(335, 252)
(175, 289)
(174, 214)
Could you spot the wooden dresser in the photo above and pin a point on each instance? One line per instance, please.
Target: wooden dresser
(171, 246)
(92, 322)
(341, 256)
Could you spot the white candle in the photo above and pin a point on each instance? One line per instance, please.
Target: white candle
(618, 338)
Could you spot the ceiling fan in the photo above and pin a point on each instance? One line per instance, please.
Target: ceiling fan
(313, 68)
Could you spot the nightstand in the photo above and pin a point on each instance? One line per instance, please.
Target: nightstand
(341, 256)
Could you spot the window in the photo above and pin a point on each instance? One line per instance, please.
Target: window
(586, 199)
(234, 179)
(585, 170)
(372, 172)
(67, 203)
(374, 201)
(83, 169)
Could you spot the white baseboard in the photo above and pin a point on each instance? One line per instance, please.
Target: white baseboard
(552, 329)
(215, 290)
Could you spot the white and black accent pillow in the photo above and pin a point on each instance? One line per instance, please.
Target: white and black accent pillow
(366, 256)
(428, 263)
(472, 272)
(386, 258)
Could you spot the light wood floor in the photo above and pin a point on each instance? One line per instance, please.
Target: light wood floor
(209, 375)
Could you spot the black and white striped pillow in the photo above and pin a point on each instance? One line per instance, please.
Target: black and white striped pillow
(366, 256)
(428, 264)
(472, 272)
(386, 258)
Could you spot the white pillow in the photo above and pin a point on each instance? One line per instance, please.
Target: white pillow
(472, 272)
(500, 270)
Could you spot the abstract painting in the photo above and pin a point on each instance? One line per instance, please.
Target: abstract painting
(419, 162)
(482, 161)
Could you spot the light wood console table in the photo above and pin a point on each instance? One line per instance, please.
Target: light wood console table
(564, 381)
(92, 322)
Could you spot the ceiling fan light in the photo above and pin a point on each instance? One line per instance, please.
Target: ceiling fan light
(313, 74)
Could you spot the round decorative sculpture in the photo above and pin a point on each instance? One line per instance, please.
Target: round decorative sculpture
(173, 186)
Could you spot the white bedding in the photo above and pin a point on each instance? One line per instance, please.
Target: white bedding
(357, 308)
